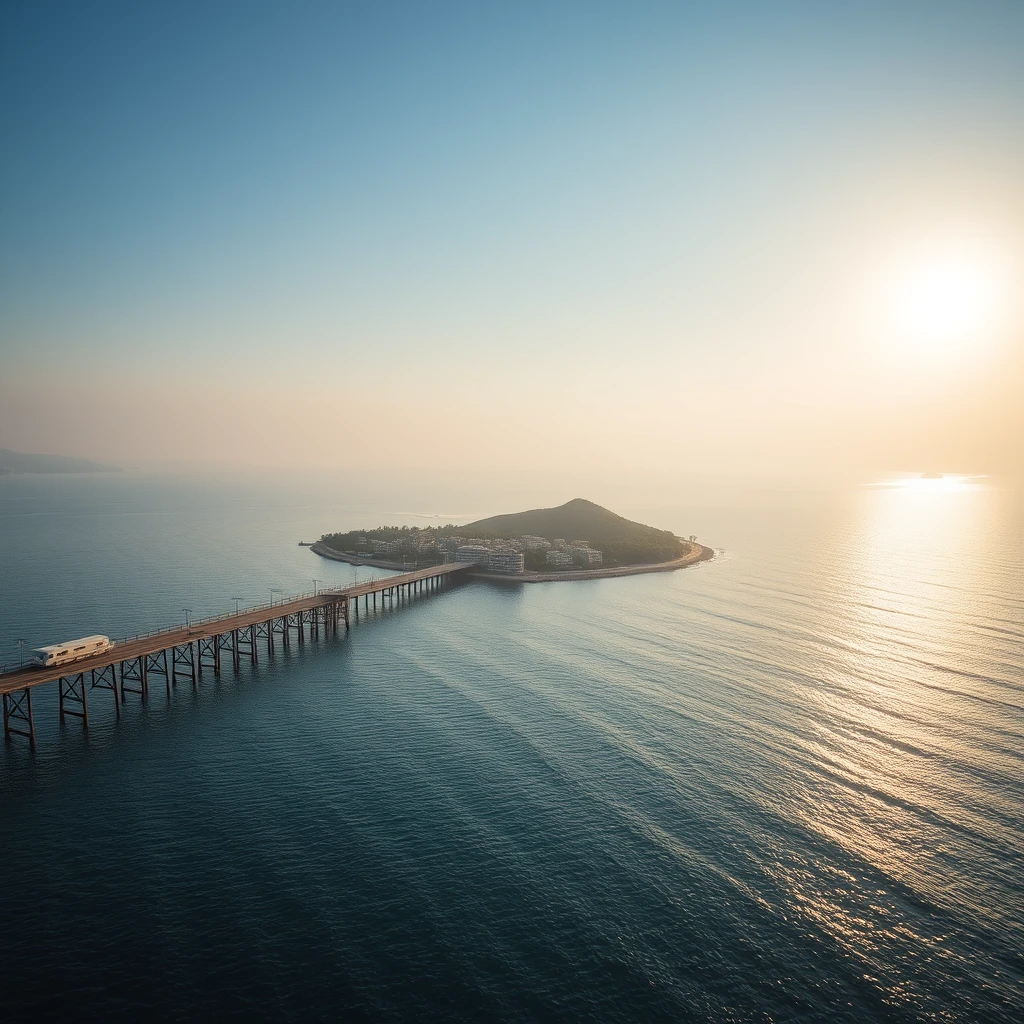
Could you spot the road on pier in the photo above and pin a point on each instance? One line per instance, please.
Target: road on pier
(152, 643)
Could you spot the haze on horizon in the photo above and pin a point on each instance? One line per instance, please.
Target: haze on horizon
(623, 238)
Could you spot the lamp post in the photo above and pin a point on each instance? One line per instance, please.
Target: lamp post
(315, 582)
(188, 624)
(21, 649)
(273, 591)
(237, 601)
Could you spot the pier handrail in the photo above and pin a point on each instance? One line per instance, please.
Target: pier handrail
(290, 599)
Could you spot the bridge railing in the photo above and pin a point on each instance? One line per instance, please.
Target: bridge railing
(225, 616)
(281, 601)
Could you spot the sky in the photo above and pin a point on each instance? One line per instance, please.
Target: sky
(606, 240)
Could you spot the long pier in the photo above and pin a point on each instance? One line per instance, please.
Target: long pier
(185, 652)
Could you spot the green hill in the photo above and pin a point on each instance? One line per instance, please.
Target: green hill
(622, 540)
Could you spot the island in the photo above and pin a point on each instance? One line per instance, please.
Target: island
(21, 462)
(577, 540)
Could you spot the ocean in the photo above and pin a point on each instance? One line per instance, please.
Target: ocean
(782, 785)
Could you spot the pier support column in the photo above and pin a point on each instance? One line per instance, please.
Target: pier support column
(106, 679)
(209, 654)
(134, 671)
(265, 631)
(183, 663)
(156, 665)
(72, 691)
(18, 720)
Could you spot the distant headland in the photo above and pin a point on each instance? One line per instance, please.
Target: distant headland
(20, 462)
(577, 540)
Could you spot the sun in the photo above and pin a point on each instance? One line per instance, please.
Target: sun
(946, 302)
(951, 302)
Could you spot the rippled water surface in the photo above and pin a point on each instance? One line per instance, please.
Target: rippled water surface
(786, 784)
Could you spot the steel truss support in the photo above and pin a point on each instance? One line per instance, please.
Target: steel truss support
(337, 613)
(280, 627)
(247, 638)
(18, 720)
(134, 671)
(241, 641)
(183, 663)
(313, 617)
(106, 679)
(209, 654)
(72, 691)
(265, 631)
(293, 620)
(229, 642)
(156, 665)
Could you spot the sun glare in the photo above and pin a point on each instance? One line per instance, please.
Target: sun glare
(947, 302)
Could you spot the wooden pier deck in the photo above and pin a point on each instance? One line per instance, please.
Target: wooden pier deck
(185, 651)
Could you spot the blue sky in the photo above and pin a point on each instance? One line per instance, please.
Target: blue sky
(420, 194)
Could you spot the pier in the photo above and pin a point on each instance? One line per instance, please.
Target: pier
(183, 653)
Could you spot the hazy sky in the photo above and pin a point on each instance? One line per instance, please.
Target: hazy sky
(732, 236)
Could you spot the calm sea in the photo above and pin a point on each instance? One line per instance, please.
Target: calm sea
(784, 785)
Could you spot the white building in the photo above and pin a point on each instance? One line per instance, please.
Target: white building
(557, 558)
(505, 561)
(475, 554)
(588, 557)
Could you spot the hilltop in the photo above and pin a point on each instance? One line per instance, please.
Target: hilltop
(576, 518)
(20, 462)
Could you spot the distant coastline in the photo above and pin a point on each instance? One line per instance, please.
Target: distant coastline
(697, 553)
(12, 463)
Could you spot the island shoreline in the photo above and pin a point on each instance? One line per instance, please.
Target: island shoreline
(698, 553)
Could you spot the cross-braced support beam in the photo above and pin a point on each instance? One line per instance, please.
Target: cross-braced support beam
(229, 642)
(209, 654)
(156, 665)
(73, 700)
(106, 679)
(247, 643)
(183, 664)
(134, 671)
(240, 641)
(265, 631)
(18, 720)
(280, 627)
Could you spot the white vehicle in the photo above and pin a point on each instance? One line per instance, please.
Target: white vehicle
(70, 650)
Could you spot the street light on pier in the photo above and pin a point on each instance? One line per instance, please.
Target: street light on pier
(237, 601)
(21, 649)
(188, 624)
(273, 591)
(315, 582)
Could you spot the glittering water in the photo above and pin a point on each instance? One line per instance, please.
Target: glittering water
(783, 785)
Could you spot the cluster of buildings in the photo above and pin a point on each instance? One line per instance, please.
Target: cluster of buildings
(578, 552)
(507, 556)
(503, 556)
